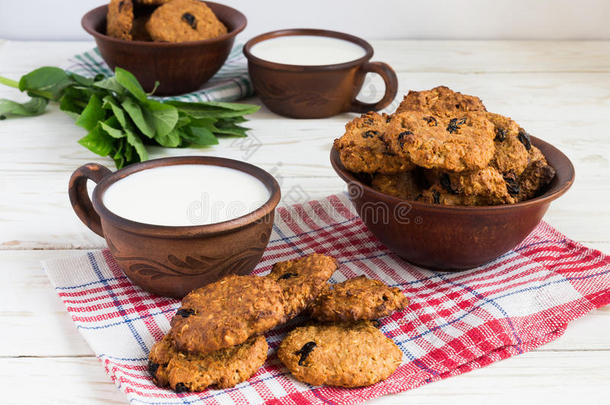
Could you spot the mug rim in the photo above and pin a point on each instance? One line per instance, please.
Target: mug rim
(311, 32)
(187, 231)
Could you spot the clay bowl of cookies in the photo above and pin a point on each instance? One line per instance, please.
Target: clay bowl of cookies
(444, 183)
(179, 44)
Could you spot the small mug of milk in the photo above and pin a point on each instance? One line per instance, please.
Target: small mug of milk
(310, 73)
(179, 223)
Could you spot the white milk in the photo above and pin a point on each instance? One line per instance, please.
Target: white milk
(184, 195)
(307, 50)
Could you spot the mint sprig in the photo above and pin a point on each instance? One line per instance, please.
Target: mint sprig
(120, 117)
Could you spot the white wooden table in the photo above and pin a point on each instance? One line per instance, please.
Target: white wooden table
(559, 91)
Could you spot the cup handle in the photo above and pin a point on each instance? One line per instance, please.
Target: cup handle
(79, 198)
(391, 87)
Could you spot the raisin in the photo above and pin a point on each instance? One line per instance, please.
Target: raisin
(185, 312)
(388, 118)
(181, 387)
(121, 5)
(385, 298)
(190, 20)
(500, 135)
(511, 185)
(152, 368)
(305, 351)
(286, 276)
(454, 124)
(370, 133)
(431, 121)
(369, 121)
(446, 183)
(436, 196)
(402, 136)
(524, 138)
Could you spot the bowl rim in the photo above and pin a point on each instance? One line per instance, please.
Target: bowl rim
(188, 231)
(96, 34)
(369, 51)
(553, 193)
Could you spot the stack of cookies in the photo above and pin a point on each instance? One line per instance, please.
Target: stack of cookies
(217, 335)
(162, 20)
(444, 147)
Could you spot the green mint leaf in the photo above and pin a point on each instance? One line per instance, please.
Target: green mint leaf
(161, 116)
(110, 127)
(244, 109)
(110, 84)
(92, 114)
(109, 102)
(98, 142)
(117, 154)
(200, 136)
(35, 106)
(138, 145)
(137, 116)
(74, 100)
(172, 139)
(130, 83)
(48, 82)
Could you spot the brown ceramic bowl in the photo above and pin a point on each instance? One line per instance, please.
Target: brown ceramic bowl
(178, 67)
(173, 260)
(317, 91)
(447, 237)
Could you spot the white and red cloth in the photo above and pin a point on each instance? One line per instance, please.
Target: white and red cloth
(456, 322)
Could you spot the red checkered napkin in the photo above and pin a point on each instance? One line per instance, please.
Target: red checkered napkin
(456, 321)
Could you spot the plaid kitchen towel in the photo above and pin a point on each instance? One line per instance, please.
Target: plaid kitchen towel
(456, 322)
(230, 83)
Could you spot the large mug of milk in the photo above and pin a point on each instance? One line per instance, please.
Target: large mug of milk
(175, 224)
(311, 73)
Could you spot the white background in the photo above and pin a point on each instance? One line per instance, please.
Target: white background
(421, 19)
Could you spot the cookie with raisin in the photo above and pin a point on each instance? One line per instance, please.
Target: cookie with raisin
(302, 279)
(481, 187)
(363, 148)
(511, 155)
(191, 372)
(342, 355)
(119, 20)
(227, 313)
(536, 177)
(402, 185)
(356, 299)
(441, 101)
(184, 20)
(452, 143)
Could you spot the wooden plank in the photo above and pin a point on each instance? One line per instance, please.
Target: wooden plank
(22, 274)
(531, 378)
(403, 55)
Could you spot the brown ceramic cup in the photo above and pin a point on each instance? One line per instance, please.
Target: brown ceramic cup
(317, 91)
(453, 237)
(173, 260)
(179, 67)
